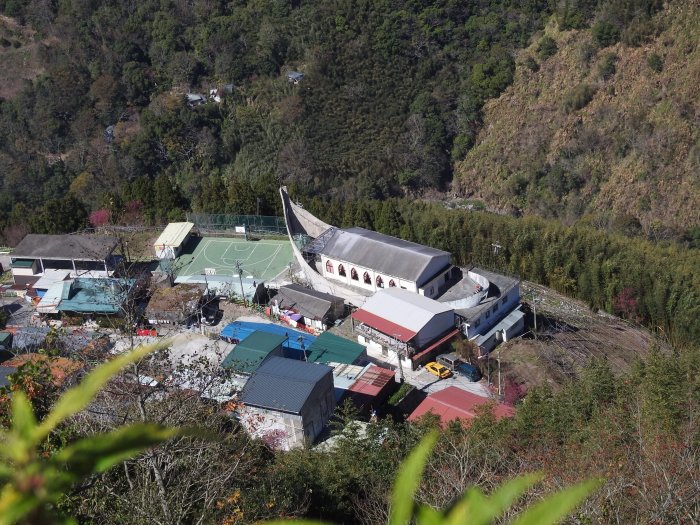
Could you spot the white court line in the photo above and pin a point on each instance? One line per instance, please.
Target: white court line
(273, 258)
(189, 266)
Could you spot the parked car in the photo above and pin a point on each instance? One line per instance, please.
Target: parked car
(439, 370)
(451, 361)
(469, 371)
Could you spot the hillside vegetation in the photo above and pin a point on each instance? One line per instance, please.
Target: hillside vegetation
(609, 131)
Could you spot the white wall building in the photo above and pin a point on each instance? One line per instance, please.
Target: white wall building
(374, 261)
(170, 243)
(399, 324)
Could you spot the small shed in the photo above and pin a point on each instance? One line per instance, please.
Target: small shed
(316, 309)
(297, 341)
(170, 243)
(250, 353)
(175, 305)
(372, 388)
(329, 348)
(287, 403)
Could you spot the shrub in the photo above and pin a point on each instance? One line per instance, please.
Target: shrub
(605, 34)
(546, 47)
(578, 98)
(606, 67)
(655, 62)
(532, 64)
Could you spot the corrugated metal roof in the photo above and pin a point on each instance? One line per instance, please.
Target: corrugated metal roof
(329, 348)
(283, 384)
(102, 296)
(78, 247)
(173, 234)
(247, 356)
(241, 329)
(504, 324)
(49, 278)
(383, 253)
(455, 403)
(372, 381)
(307, 302)
(400, 311)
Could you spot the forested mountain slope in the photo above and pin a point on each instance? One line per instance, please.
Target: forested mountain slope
(594, 127)
(392, 92)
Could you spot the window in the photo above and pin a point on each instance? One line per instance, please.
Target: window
(488, 314)
(431, 291)
(495, 308)
(353, 274)
(380, 281)
(329, 267)
(477, 323)
(341, 270)
(392, 284)
(505, 298)
(366, 278)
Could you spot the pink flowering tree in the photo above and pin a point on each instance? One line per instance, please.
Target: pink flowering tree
(101, 217)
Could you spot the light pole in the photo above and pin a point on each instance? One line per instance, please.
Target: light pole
(240, 279)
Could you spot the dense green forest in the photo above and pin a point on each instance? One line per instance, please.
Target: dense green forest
(392, 97)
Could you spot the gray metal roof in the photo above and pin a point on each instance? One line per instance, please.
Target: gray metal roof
(305, 301)
(79, 247)
(283, 384)
(383, 253)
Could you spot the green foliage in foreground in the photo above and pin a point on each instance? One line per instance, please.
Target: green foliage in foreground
(31, 480)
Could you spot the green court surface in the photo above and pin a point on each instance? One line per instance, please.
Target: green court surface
(263, 259)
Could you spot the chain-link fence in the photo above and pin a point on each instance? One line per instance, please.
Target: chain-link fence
(255, 224)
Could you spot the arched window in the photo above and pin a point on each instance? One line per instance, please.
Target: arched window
(353, 274)
(341, 270)
(392, 284)
(367, 278)
(329, 267)
(380, 281)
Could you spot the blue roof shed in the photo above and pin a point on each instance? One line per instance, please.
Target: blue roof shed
(239, 330)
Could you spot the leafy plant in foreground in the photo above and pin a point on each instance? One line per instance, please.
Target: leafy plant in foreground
(30, 483)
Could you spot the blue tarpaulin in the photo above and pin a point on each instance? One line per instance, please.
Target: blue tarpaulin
(239, 330)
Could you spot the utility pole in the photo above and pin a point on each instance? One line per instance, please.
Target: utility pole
(499, 373)
(496, 249)
(240, 279)
(399, 354)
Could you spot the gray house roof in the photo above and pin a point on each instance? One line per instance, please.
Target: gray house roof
(383, 253)
(79, 247)
(283, 384)
(305, 301)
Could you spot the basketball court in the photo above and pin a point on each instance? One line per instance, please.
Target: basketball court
(262, 259)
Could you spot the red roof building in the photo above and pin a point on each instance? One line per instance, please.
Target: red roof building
(372, 388)
(454, 403)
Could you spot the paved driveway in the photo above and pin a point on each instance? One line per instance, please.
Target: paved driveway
(424, 380)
